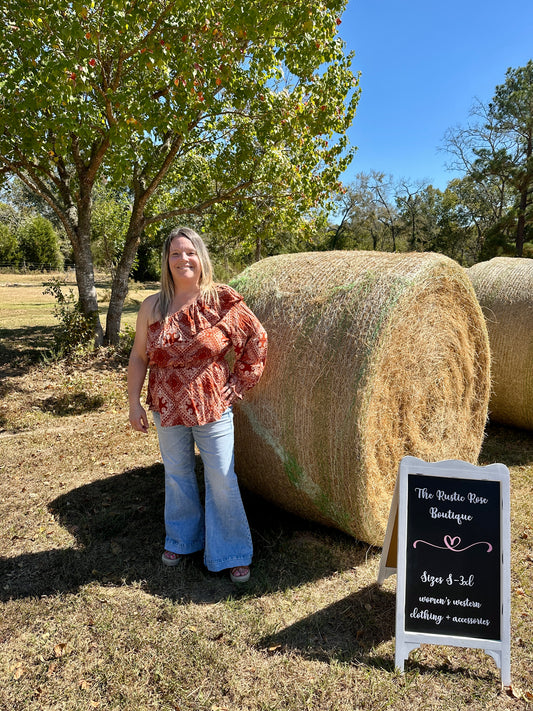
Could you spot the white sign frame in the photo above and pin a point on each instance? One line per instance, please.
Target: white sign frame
(394, 555)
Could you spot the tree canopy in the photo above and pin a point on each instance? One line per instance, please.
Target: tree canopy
(496, 151)
(184, 105)
(485, 213)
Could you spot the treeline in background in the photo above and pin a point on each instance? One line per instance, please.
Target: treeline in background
(486, 212)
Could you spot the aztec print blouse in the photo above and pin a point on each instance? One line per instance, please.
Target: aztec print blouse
(188, 368)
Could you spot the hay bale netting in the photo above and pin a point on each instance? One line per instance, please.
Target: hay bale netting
(504, 288)
(372, 356)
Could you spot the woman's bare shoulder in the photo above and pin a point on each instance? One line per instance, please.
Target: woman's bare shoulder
(151, 300)
(149, 308)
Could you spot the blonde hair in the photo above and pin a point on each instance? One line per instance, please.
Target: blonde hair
(206, 283)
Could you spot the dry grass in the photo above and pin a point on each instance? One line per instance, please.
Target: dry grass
(91, 620)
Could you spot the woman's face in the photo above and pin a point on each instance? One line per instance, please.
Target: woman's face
(184, 262)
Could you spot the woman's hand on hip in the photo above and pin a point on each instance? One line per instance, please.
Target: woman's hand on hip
(228, 395)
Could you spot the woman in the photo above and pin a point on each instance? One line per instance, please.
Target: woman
(183, 335)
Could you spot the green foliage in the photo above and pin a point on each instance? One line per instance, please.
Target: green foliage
(147, 265)
(241, 88)
(125, 344)
(39, 244)
(110, 217)
(9, 249)
(496, 151)
(76, 331)
(247, 231)
(9, 216)
(180, 105)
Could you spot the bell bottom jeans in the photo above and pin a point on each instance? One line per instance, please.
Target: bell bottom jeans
(220, 527)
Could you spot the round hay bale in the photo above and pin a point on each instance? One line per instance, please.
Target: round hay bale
(504, 288)
(372, 356)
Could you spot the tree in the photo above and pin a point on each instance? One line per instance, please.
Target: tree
(382, 187)
(9, 249)
(496, 150)
(39, 244)
(346, 204)
(110, 216)
(368, 216)
(480, 218)
(512, 111)
(184, 105)
(249, 231)
(409, 201)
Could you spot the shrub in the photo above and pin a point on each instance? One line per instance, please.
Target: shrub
(9, 248)
(76, 330)
(39, 244)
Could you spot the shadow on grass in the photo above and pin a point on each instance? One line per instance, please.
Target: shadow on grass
(72, 404)
(346, 631)
(20, 348)
(118, 527)
(507, 445)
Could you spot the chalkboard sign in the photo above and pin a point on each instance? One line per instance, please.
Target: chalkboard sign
(448, 539)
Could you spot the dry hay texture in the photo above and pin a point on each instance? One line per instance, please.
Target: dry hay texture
(372, 356)
(504, 288)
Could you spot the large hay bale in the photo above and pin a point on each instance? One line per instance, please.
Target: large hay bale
(504, 288)
(372, 356)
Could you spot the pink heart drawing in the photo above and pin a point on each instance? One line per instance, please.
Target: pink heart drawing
(452, 543)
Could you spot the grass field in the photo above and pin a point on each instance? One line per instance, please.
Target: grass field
(91, 619)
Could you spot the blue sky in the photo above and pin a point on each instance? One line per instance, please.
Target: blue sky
(422, 66)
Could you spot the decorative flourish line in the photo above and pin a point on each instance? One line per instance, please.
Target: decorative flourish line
(452, 543)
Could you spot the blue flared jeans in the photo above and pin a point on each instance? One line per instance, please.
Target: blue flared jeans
(219, 527)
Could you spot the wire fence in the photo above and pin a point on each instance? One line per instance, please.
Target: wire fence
(45, 267)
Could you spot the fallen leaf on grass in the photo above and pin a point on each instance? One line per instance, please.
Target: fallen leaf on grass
(51, 669)
(18, 670)
(514, 692)
(59, 649)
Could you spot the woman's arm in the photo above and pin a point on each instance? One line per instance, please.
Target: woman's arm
(249, 340)
(137, 367)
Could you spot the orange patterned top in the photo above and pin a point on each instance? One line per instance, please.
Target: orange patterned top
(188, 368)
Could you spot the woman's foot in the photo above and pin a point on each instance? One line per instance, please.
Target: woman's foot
(171, 558)
(240, 574)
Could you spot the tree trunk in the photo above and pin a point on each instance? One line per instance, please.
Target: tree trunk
(524, 194)
(257, 256)
(119, 287)
(521, 223)
(83, 259)
(86, 287)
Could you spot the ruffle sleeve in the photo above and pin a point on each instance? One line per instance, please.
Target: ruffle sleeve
(250, 343)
